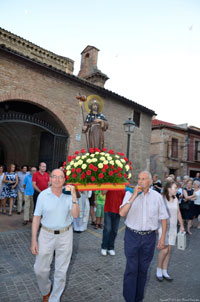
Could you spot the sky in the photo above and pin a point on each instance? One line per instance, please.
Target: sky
(150, 49)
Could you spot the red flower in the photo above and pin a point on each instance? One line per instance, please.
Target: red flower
(74, 175)
(91, 150)
(74, 156)
(126, 159)
(91, 166)
(130, 163)
(78, 170)
(106, 166)
(101, 175)
(122, 154)
(119, 169)
(73, 169)
(97, 150)
(95, 168)
(104, 149)
(103, 170)
(83, 150)
(88, 172)
(93, 178)
(76, 152)
(83, 175)
(69, 158)
(119, 174)
(116, 171)
(111, 152)
(64, 164)
(110, 173)
(67, 177)
(125, 175)
(112, 167)
(131, 168)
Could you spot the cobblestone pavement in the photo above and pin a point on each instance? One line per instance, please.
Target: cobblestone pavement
(92, 277)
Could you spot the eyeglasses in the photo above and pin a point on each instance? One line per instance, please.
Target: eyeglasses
(60, 177)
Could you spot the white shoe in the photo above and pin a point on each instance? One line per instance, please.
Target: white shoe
(103, 252)
(111, 252)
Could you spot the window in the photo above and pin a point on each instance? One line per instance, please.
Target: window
(174, 150)
(136, 118)
(197, 151)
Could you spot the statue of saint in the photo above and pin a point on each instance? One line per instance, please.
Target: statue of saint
(95, 123)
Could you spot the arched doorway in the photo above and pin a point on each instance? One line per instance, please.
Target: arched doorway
(30, 134)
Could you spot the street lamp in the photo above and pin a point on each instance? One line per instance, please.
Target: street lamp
(129, 127)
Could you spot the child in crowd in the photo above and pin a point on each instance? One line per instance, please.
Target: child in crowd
(100, 201)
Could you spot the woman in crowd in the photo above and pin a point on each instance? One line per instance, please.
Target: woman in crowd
(172, 205)
(196, 198)
(1, 185)
(187, 204)
(80, 223)
(9, 191)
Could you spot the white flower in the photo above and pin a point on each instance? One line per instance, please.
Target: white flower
(84, 166)
(105, 162)
(102, 153)
(96, 152)
(109, 158)
(77, 158)
(68, 167)
(84, 156)
(102, 158)
(94, 160)
(80, 162)
(100, 165)
(92, 155)
(76, 165)
(71, 163)
(127, 167)
(68, 173)
(89, 160)
(117, 156)
(118, 162)
(129, 175)
(123, 161)
(111, 162)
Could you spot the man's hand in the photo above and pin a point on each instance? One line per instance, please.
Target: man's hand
(34, 248)
(161, 244)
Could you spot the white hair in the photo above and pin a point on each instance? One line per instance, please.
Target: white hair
(148, 173)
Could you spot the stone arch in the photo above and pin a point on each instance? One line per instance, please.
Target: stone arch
(31, 137)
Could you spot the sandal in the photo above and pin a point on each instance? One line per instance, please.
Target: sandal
(96, 226)
(101, 226)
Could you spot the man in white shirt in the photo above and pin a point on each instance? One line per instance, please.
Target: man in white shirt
(143, 209)
(54, 210)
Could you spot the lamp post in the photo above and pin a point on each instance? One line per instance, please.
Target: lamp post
(129, 127)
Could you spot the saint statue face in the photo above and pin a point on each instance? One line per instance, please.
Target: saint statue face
(95, 107)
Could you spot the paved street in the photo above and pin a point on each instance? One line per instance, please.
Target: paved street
(92, 277)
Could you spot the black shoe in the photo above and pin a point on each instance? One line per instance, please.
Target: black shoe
(18, 213)
(168, 278)
(160, 279)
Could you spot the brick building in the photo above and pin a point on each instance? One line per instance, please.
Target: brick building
(175, 149)
(40, 118)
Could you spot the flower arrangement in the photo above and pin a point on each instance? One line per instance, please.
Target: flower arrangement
(97, 166)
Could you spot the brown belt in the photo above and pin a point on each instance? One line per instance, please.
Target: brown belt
(56, 232)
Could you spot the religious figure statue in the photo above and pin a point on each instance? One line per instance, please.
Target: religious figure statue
(95, 123)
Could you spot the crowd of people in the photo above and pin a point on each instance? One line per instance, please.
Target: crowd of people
(151, 209)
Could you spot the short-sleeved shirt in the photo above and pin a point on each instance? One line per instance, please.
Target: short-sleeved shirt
(145, 211)
(114, 199)
(29, 190)
(55, 211)
(100, 199)
(197, 200)
(21, 176)
(41, 180)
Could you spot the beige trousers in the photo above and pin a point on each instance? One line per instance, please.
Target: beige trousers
(28, 207)
(62, 245)
(20, 198)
